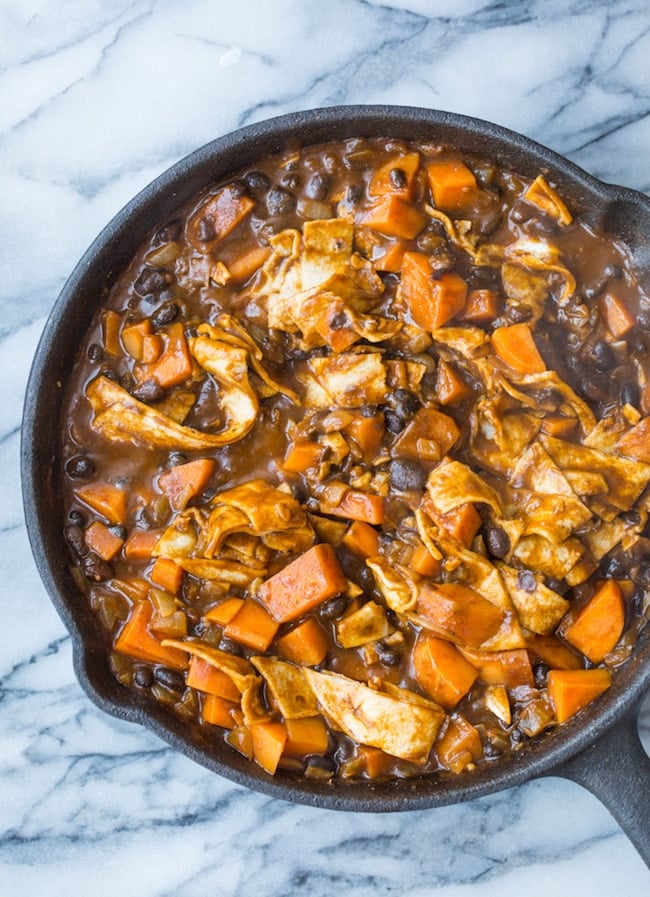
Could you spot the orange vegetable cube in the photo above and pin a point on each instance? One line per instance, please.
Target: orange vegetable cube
(461, 524)
(207, 678)
(571, 690)
(394, 217)
(310, 579)
(441, 670)
(183, 482)
(137, 641)
(559, 426)
(510, 668)
(553, 652)
(450, 386)
(102, 541)
(224, 612)
(306, 736)
(482, 307)
(218, 216)
(368, 433)
(618, 317)
(252, 626)
(218, 711)
(598, 626)
(389, 257)
(362, 539)
(140, 544)
(301, 456)
(306, 644)
(175, 364)
(432, 301)
(397, 176)
(459, 612)
(244, 266)
(460, 745)
(152, 348)
(424, 563)
(354, 505)
(428, 436)
(453, 185)
(106, 499)
(167, 574)
(269, 739)
(111, 321)
(514, 344)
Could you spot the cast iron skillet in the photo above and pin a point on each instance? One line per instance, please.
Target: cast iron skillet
(600, 749)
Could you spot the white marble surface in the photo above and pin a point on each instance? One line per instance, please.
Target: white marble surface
(96, 98)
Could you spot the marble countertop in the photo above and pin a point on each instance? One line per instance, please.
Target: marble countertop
(96, 100)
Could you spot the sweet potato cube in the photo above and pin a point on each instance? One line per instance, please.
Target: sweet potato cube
(598, 625)
(390, 258)
(306, 736)
(218, 216)
(514, 344)
(394, 217)
(460, 745)
(453, 185)
(218, 711)
(175, 364)
(428, 436)
(243, 266)
(510, 668)
(441, 670)
(185, 481)
(252, 626)
(355, 505)
(481, 307)
(424, 563)
(106, 499)
(618, 317)
(553, 652)
(207, 678)
(269, 739)
(140, 544)
(306, 582)
(362, 539)
(167, 574)
(450, 386)
(224, 612)
(301, 456)
(368, 433)
(432, 300)
(133, 337)
(111, 321)
(459, 612)
(461, 524)
(571, 690)
(137, 641)
(397, 176)
(306, 644)
(102, 541)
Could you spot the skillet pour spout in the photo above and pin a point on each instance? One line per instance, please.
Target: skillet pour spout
(585, 748)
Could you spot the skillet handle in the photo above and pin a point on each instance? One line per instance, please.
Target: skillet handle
(616, 770)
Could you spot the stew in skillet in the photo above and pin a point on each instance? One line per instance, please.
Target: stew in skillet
(357, 455)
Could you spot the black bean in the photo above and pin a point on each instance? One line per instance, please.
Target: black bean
(491, 751)
(614, 567)
(333, 608)
(354, 193)
(127, 381)
(603, 356)
(152, 280)
(118, 530)
(148, 391)
(406, 475)
(95, 353)
(630, 394)
(398, 178)
(165, 314)
(558, 585)
(636, 343)
(170, 232)
(74, 536)
(171, 679)
(519, 313)
(516, 736)
(77, 518)
(199, 628)
(394, 423)
(207, 495)
(238, 188)
(388, 655)
(497, 541)
(368, 410)
(95, 568)
(176, 458)
(643, 319)
(279, 201)
(290, 181)
(231, 647)
(257, 181)
(205, 230)
(633, 518)
(143, 677)
(405, 403)
(526, 581)
(80, 467)
(322, 764)
(540, 672)
(317, 186)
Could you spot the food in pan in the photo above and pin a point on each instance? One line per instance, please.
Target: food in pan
(356, 462)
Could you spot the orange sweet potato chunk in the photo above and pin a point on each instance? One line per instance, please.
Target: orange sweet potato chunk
(137, 641)
(432, 300)
(598, 626)
(453, 185)
(306, 644)
(185, 481)
(252, 626)
(441, 670)
(306, 582)
(514, 344)
(459, 612)
(571, 690)
(460, 745)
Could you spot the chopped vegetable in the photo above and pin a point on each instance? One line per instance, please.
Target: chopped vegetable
(303, 584)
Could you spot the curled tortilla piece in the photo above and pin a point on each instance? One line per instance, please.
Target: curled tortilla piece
(401, 728)
(121, 418)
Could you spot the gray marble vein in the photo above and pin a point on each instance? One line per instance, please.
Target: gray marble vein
(96, 99)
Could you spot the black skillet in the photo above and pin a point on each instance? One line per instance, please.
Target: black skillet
(601, 748)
